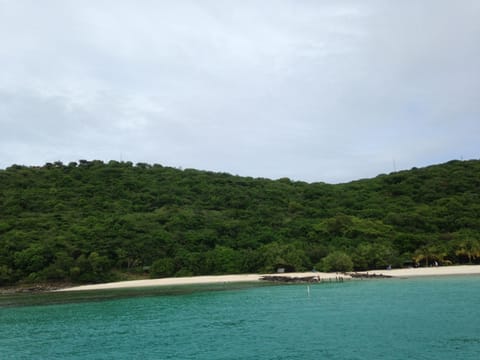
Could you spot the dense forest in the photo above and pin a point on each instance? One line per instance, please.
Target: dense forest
(93, 221)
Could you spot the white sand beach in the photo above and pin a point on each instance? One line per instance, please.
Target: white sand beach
(195, 280)
(428, 271)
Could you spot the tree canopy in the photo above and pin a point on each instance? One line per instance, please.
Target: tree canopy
(91, 221)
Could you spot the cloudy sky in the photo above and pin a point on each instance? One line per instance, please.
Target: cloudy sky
(312, 90)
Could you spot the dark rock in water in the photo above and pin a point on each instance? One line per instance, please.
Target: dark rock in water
(368, 276)
(290, 279)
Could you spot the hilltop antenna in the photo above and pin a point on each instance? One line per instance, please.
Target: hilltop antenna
(394, 165)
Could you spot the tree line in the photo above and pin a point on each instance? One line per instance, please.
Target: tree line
(90, 221)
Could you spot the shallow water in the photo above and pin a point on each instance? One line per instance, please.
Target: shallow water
(428, 318)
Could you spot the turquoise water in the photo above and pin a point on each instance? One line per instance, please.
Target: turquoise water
(434, 318)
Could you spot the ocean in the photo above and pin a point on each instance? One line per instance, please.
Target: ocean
(423, 318)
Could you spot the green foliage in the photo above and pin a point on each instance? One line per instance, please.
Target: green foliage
(336, 261)
(223, 260)
(90, 221)
(286, 256)
(467, 245)
(375, 256)
(6, 275)
(164, 267)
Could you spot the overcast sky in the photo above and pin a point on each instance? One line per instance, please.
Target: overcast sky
(312, 90)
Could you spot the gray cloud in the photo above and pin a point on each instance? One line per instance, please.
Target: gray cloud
(317, 91)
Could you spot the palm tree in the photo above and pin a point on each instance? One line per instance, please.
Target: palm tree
(430, 252)
(470, 248)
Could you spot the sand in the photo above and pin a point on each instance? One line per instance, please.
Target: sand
(195, 280)
(428, 271)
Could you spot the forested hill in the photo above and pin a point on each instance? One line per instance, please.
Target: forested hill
(91, 221)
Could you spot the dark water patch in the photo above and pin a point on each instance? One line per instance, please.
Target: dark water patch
(467, 340)
(66, 297)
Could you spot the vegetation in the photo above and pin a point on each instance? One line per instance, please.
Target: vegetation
(91, 222)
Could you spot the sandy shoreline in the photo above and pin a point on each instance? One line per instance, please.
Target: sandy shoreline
(195, 280)
(430, 271)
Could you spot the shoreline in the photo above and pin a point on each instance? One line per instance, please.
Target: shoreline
(318, 276)
(276, 278)
(424, 271)
(208, 279)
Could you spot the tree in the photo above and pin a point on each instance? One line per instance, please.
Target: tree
(374, 256)
(336, 261)
(33, 259)
(468, 245)
(223, 260)
(164, 267)
(287, 256)
(429, 253)
(6, 275)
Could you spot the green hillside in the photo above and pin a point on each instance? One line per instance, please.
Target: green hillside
(93, 222)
